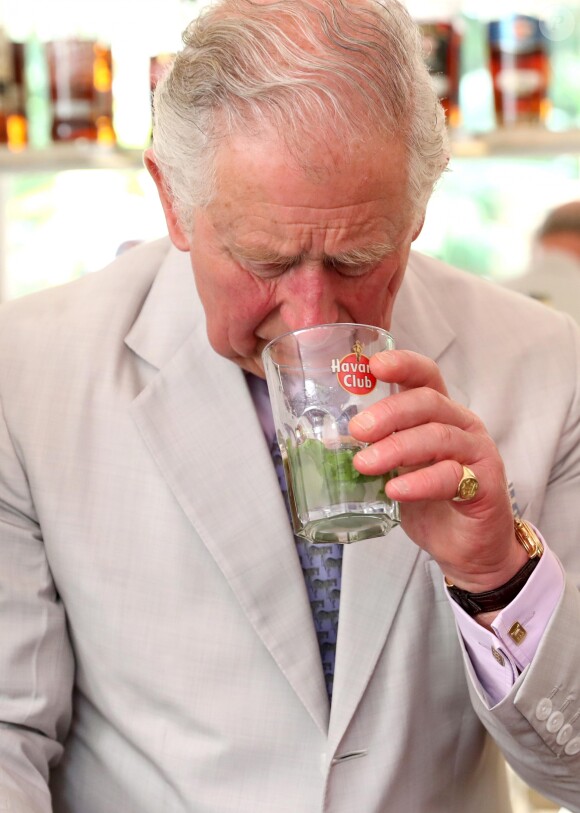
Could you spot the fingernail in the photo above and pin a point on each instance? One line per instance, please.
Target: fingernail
(385, 357)
(364, 420)
(400, 487)
(368, 456)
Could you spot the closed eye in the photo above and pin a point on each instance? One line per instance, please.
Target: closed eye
(345, 269)
(267, 270)
(349, 269)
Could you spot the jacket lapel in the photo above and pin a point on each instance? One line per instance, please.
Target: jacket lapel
(375, 574)
(218, 465)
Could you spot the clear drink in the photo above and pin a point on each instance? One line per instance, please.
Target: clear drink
(318, 379)
(338, 503)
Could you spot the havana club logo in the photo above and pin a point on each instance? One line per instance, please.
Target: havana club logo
(353, 372)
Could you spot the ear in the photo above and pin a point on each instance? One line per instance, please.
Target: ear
(178, 237)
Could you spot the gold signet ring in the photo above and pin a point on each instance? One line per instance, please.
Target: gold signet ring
(467, 488)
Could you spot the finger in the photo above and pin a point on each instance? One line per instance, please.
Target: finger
(421, 446)
(410, 408)
(438, 482)
(407, 369)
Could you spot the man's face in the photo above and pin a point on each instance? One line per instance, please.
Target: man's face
(280, 249)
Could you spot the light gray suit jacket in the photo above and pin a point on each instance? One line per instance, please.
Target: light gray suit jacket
(157, 647)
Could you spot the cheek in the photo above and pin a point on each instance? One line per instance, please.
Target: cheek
(234, 304)
(374, 296)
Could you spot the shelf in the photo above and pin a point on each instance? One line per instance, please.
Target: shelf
(518, 141)
(515, 142)
(79, 155)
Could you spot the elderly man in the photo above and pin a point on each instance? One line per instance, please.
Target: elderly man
(159, 651)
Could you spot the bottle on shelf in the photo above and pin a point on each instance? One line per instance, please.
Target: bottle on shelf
(518, 40)
(80, 77)
(13, 123)
(520, 69)
(441, 30)
(103, 93)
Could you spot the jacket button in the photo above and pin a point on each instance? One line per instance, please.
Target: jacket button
(544, 708)
(573, 747)
(555, 722)
(564, 734)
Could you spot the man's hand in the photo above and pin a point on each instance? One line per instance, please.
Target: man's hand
(428, 437)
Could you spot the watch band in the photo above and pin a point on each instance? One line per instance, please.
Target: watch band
(493, 600)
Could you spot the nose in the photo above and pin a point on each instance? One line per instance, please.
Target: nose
(309, 297)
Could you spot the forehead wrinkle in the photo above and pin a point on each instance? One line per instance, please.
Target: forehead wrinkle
(268, 226)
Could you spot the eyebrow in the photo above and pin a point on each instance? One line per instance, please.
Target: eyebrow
(262, 255)
(354, 256)
(363, 255)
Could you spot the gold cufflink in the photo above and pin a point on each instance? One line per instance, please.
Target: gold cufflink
(517, 632)
(498, 656)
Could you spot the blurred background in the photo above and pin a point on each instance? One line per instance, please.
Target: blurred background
(75, 84)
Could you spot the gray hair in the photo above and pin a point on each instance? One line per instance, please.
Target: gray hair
(311, 68)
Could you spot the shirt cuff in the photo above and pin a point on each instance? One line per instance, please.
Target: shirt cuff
(498, 657)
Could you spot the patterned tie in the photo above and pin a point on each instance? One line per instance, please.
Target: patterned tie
(322, 568)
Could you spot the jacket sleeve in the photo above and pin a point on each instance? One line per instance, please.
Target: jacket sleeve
(537, 724)
(36, 662)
